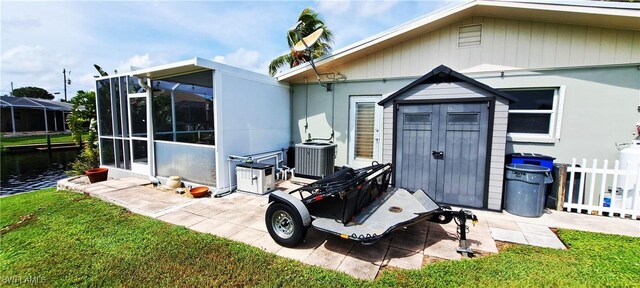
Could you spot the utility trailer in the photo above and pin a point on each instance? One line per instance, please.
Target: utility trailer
(354, 204)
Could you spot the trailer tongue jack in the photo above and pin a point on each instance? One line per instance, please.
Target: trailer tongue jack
(461, 221)
(355, 205)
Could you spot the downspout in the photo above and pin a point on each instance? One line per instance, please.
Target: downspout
(333, 109)
(306, 109)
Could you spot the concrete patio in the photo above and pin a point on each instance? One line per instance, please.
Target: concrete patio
(240, 217)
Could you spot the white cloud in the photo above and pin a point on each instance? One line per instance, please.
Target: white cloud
(139, 61)
(87, 80)
(23, 59)
(374, 8)
(219, 59)
(242, 58)
(333, 6)
(21, 23)
(36, 46)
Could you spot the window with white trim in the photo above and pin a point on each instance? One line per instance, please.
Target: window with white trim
(535, 115)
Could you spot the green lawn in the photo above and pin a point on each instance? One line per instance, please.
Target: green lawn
(36, 139)
(68, 239)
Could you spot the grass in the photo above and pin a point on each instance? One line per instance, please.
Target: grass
(36, 139)
(62, 239)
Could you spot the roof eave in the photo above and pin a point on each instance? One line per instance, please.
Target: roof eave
(443, 14)
(378, 38)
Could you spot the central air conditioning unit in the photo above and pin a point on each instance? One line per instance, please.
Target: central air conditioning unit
(315, 159)
(255, 177)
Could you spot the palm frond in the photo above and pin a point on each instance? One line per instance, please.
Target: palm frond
(312, 22)
(279, 62)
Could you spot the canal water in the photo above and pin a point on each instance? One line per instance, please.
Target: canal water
(22, 172)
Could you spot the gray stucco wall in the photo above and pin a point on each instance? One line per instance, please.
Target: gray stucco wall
(319, 110)
(600, 109)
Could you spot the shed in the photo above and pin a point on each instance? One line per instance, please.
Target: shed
(448, 135)
(187, 118)
(21, 114)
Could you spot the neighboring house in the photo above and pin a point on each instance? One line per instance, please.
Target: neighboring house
(186, 118)
(573, 67)
(21, 114)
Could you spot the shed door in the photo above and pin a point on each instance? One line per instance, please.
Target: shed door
(442, 149)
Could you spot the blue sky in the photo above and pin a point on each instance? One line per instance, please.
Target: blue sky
(40, 39)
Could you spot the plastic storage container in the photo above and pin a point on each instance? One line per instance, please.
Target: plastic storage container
(526, 189)
(255, 177)
(531, 158)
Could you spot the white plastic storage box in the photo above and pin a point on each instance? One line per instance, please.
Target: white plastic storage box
(255, 177)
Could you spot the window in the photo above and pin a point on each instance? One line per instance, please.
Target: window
(417, 118)
(138, 108)
(183, 112)
(103, 88)
(133, 86)
(463, 118)
(534, 116)
(365, 117)
(113, 126)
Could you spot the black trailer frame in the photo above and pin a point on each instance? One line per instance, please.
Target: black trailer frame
(355, 204)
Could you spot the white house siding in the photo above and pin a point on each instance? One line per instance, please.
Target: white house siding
(505, 43)
(450, 91)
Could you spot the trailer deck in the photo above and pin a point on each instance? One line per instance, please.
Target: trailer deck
(395, 209)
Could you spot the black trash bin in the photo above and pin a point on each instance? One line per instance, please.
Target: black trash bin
(552, 195)
(526, 189)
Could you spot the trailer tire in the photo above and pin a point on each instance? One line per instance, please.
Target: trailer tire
(284, 224)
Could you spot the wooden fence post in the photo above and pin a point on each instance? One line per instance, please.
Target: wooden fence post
(561, 184)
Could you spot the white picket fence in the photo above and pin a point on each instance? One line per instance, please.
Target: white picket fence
(594, 189)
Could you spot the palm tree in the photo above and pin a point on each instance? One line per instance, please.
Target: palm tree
(310, 22)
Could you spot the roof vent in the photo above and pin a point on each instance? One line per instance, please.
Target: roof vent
(470, 35)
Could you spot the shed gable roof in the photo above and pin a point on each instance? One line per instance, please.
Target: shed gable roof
(444, 74)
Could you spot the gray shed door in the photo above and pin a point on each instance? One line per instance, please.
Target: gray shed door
(442, 149)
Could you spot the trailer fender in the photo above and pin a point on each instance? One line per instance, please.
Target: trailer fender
(279, 196)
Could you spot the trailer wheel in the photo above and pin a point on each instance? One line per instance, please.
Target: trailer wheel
(285, 224)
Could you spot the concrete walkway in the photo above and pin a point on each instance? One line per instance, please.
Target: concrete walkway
(240, 216)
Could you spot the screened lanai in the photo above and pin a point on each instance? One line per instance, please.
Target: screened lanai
(20, 114)
(187, 118)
